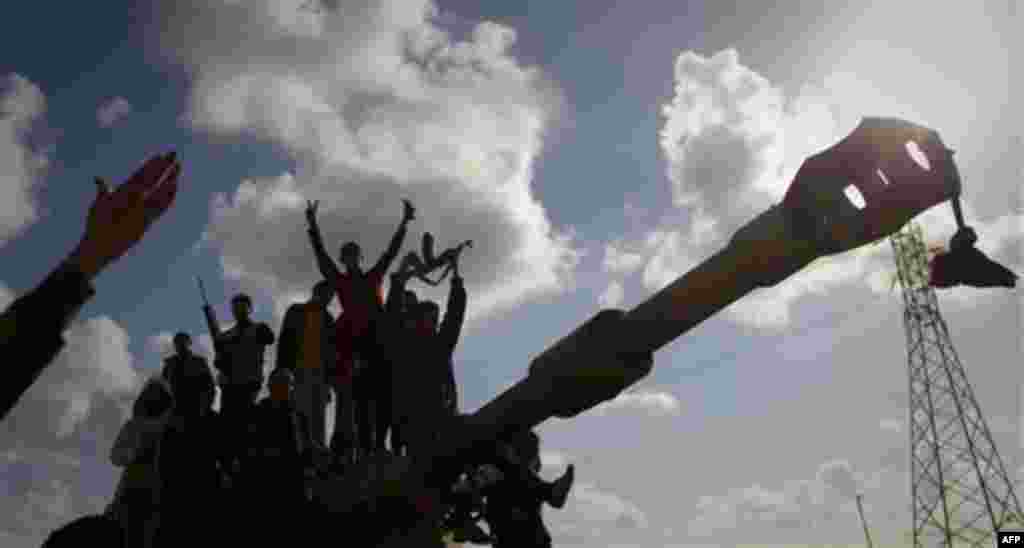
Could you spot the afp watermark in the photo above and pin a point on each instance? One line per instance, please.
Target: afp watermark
(1009, 538)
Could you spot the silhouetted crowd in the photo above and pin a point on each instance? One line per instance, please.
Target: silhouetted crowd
(246, 473)
(386, 361)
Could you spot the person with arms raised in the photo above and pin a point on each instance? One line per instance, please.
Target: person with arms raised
(360, 294)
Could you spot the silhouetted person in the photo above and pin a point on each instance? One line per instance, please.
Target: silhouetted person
(183, 364)
(32, 327)
(91, 530)
(965, 264)
(136, 503)
(306, 347)
(281, 457)
(430, 398)
(516, 456)
(405, 365)
(514, 501)
(240, 352)
(191, 463)
(466, 502)
(361, 297)
(400, 332)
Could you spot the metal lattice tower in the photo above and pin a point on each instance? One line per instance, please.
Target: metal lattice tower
(960, 489)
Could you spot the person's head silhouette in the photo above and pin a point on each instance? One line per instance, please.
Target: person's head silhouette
(241, 307)
(323, 292)
(182, 343)
(351, 256)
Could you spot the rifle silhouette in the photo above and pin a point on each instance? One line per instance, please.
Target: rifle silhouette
(213, 327)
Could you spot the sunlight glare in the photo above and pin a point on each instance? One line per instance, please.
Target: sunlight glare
(854, 196)
(919, 157)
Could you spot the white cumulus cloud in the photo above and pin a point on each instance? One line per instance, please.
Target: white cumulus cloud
(621, 261)
(733, 142)
(553, 460)
(22, 105)
(839, 476)
(112, 111)
(94, 364)
(41, 490)
(801, 511)
(7, 296)
(375, 101)
(649, 402)
(612, 296)
(593, 504)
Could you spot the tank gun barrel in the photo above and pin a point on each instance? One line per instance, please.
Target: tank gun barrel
(614, 349)
(816, 218)
(880, 161)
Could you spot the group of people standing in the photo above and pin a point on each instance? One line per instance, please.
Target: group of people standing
(387, 363)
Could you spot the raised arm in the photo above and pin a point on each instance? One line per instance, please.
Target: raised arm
(32, 327)
(324, 262)
(412, 267)
(454, 315)
(384, 263)
(396, 294)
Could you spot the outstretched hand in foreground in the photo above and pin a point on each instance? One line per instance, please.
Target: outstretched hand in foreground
(31, 327)
(118, 219)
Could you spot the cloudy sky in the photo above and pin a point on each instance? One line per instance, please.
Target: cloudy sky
(593, 152)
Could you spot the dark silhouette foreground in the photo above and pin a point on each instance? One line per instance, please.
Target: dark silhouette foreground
(964, 264)
(224, 476)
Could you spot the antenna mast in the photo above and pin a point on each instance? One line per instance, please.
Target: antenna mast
(863, 521)
(960, 488)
